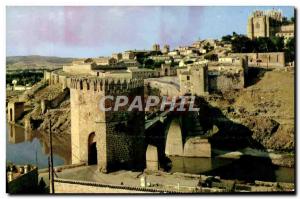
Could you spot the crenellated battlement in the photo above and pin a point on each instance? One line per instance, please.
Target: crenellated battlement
(105, 85)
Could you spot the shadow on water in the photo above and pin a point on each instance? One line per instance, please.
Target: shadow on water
(230, 136)
(247, 168)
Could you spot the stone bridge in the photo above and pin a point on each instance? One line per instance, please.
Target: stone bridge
(123, 139)
(168, 136)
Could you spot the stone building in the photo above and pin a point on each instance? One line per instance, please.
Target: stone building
(110, 139)
(117, 56)
(267, 24)
(128, 55)
(286, 31)
(166, 49)
(156, 47)
(173, 53)
(199, 78)
(165, 70)
(15, 111)
(265, 60)
(227, 74)
(105, 61)
(193, 79)
(225, 78)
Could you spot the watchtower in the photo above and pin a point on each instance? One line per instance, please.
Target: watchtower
(111, 139)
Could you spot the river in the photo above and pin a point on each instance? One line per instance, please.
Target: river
(32, 148)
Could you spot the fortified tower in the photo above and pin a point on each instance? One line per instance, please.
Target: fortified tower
(112, 139)
(263, 23)
(194, 80)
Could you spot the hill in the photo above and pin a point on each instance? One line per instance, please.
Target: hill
(35, 62)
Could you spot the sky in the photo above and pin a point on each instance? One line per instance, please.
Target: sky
(100, 31)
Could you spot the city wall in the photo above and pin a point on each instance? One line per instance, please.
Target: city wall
(265, 60)
(219, 80)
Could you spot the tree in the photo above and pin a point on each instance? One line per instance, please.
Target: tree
(211, 57)
(241, 44)
(278, 43)
(208, 47)
(293, 19)
(290, 50)
(88, 60)
(227, 39)
(148, 63)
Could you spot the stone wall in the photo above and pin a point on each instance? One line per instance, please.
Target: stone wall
(119, 134)
(82, 68)
(72, 186)
(225, 80)
(26, 183)
(266, 60)
(197, 147)
(193, 80)
(15, 111)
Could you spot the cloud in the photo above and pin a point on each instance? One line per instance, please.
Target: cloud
(104, 29)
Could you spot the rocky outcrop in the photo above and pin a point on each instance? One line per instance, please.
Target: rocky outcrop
(60, 121)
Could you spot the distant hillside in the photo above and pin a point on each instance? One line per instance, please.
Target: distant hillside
(35, 62)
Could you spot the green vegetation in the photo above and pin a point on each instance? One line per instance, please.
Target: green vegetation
(286, 21)
(211, 57)
(242, 44)
(24, 77)
(208, 47)
(88, 60)
(290, 49)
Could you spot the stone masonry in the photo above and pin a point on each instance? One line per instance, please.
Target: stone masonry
(119, 135)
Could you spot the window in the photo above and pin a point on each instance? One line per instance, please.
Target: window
(257, 25)
(187, 77)
(81, 85)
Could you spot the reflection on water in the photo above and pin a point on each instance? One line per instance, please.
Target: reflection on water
(24, 147)
(196, 165)
(33, 148)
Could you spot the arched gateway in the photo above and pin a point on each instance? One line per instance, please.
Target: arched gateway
(92, 149)
(96, 135)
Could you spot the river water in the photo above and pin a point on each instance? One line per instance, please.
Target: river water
(28, 148)
(32, 148)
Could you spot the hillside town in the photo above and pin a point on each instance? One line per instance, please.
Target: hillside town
(243, 85)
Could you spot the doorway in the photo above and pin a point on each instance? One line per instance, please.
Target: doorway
(92, 149)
